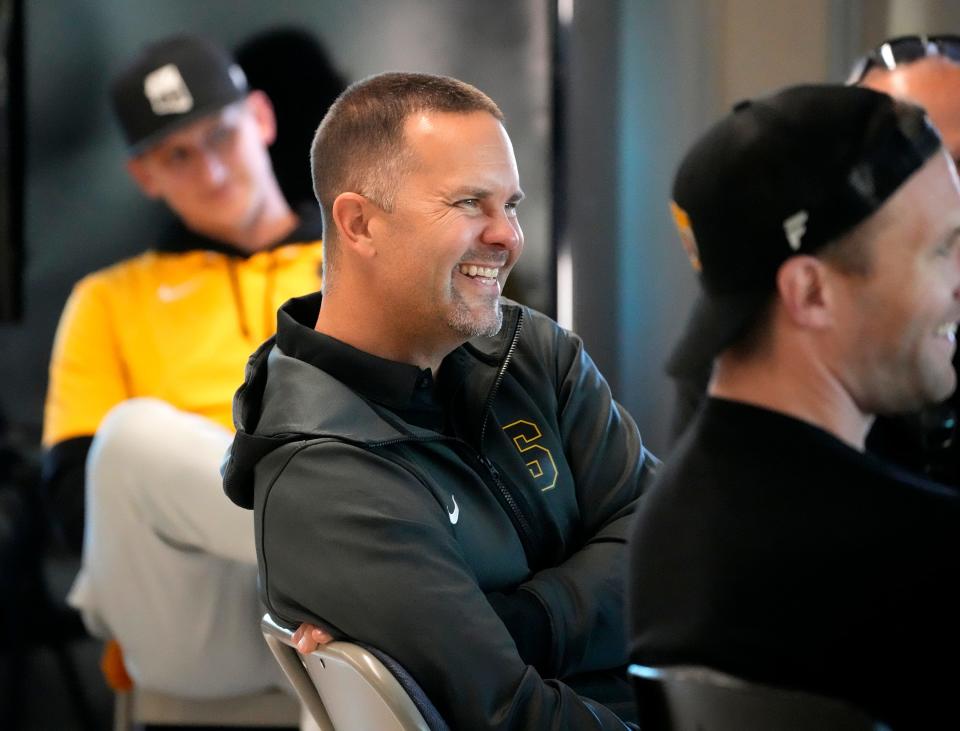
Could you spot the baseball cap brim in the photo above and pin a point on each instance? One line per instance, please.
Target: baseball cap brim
(717, 320)
(213, 106)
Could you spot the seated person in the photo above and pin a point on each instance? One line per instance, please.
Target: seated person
(824, 222)
(926, 71)
(147, 356)
(435, 471)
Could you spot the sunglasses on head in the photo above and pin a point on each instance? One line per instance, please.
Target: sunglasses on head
(905, 50)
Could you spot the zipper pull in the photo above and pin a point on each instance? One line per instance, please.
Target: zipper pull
(491, 467)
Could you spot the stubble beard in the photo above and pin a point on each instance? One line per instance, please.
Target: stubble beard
(475, 325)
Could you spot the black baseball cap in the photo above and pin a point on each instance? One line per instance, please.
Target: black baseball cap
(171, 83)
(781, 176)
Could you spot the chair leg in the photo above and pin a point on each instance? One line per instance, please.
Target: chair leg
(123, 712)
(307, 722)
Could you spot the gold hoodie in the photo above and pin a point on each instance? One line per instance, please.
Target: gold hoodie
(174, 326)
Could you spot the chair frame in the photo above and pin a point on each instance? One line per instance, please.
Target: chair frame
(270, 708)
(696, 698)
(318, 680)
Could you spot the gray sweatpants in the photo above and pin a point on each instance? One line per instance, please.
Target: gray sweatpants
(169, 565)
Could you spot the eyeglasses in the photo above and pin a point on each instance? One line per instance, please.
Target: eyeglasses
(905, 50)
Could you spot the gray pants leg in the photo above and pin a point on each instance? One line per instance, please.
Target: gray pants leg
(169, 564)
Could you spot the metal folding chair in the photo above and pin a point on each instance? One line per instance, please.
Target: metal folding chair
(348, 687)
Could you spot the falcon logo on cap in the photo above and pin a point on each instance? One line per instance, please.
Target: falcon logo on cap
(167, 92)
(689, 241)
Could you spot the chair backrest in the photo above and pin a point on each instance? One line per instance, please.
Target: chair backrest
(347, 687)
(687, 698)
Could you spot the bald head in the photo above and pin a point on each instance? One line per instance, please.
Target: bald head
(934, 84)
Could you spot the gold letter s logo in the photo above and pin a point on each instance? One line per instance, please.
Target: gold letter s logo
(541, 465)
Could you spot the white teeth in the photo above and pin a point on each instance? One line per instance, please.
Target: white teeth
(948, 330)
(471, 270)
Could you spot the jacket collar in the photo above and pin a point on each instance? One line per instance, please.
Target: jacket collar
(397, 386)
(392, 384)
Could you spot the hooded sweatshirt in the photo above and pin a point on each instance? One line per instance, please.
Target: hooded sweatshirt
(472, 526)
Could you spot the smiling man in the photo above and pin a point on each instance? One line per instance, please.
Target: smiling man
(924, 70)
(434, 470)
(825, 224)
(147, 356)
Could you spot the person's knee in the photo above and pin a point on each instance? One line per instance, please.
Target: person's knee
(122, 444)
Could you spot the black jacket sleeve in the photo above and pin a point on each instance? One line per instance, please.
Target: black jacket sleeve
(63, 484)
(371, 553)
(528, 623)
(584, 595)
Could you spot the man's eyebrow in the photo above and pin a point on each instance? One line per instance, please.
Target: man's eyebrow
(483, 193)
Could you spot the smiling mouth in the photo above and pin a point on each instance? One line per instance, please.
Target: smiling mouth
(472, 270)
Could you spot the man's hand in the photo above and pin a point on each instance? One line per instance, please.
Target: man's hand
(308, 638)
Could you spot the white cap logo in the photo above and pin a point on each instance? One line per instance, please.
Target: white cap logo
(167, 91)
(794, 228)
(237, 76)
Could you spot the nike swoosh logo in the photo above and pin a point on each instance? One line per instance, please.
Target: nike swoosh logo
(174, 292)
(454, 514)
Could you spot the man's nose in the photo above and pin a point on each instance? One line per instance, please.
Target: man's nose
(503, 230)
(212, 168)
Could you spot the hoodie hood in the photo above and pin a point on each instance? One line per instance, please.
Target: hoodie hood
(285, 400)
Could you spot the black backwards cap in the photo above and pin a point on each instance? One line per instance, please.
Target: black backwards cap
(782, 176)
(171, 83)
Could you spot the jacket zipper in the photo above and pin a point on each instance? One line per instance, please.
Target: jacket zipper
(523, 525)
(502, 372)
(520, 520)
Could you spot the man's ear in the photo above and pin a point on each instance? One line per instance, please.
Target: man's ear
(805, 286)
(260, 106)
(351, 215)
(141, 176)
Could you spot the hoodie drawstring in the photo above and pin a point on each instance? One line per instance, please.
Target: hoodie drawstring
(238, 298)
(269, 308)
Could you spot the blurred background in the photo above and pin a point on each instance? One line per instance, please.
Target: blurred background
(601, 99)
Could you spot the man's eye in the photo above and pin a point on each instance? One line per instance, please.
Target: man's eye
(947, 248)
(468, 203)
(178, 156)
(512, 207)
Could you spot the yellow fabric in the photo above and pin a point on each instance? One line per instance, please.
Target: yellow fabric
(174, 326)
